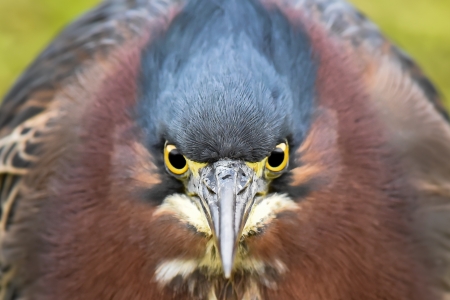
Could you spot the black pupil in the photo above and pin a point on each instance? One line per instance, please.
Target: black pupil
(176, 159)
(276, 157)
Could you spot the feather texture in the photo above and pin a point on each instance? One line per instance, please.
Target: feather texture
(376, 114)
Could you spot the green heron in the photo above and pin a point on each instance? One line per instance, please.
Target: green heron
(224, 149)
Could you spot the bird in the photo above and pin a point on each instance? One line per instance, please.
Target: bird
(220, 150)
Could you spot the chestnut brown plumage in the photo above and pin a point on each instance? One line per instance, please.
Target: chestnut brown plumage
(200, 149)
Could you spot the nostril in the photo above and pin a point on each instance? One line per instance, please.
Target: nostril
(226, 177)
(242, 190)
(210, 186)
(210, 189)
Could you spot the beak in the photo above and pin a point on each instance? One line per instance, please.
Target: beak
(227, 191)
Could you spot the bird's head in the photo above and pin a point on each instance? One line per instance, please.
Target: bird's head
(222, 123)
(223, 199)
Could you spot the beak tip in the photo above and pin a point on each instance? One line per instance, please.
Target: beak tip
(227, 270)
(227, 257)
(227, 251)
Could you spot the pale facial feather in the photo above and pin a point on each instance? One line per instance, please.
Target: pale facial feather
(186, 210)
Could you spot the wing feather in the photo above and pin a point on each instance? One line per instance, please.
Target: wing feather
(413, 113)
(28, 108)
(344, 22)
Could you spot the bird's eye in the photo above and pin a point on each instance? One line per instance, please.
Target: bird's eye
(174, 160)
(278, 158)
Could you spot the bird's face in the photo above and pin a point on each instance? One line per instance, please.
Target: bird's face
(226, 197)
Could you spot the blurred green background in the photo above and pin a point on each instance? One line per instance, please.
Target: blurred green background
(421, 27)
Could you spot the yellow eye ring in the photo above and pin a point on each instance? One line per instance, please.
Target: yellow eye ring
(278, 159)
(174, 160)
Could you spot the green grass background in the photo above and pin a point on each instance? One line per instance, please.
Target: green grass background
(421, 27)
